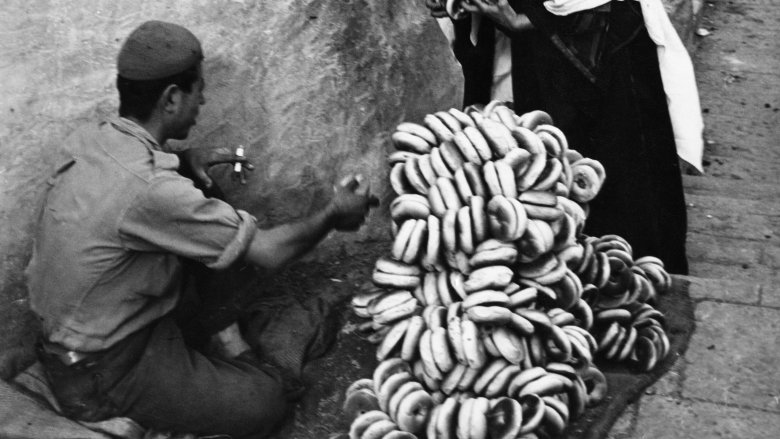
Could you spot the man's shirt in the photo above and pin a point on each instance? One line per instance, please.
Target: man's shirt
(115, 220)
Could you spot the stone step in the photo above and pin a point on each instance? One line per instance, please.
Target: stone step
(722, 289)
(707, 185)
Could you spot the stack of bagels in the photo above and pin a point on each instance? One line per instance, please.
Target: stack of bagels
(492, 305)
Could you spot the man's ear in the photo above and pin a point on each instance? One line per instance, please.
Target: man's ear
(171, 98)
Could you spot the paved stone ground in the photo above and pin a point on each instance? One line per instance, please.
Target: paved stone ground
(728, 383)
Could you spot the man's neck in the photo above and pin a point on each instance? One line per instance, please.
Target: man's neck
(152, 126)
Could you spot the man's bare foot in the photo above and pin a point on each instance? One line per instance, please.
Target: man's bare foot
(228, 343)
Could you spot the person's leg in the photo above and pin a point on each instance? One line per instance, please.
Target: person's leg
(212, 301)
(175, 388)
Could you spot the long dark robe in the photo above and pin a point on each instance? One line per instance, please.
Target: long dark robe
(596, 73)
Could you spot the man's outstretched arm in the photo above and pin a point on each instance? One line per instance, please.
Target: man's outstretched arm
(275, 247)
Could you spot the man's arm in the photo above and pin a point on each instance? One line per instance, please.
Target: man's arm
(275, 247)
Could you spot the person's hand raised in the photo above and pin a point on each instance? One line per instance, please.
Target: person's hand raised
(499, 12)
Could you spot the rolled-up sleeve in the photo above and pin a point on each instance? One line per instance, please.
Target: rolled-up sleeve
(173, 216)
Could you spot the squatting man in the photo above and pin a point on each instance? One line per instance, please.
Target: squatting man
(122, 234)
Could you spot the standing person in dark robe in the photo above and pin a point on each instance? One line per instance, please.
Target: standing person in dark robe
(593, 65)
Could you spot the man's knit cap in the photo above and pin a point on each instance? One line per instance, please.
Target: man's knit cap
(157, 49)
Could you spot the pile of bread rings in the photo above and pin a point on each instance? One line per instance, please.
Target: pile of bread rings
(492, 304)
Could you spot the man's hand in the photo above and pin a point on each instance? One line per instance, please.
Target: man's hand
(437, 8)
(199, 160)
(500, 13)
(351, 202)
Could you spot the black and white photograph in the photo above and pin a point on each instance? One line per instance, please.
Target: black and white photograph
(406, 219)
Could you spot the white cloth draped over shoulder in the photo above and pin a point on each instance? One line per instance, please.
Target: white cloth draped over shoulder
(675, 65)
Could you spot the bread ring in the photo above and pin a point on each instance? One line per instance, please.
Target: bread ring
(586, 183)
(449, 193)
(417, 242)
(438, 165)
(528, 140)
(494, 277)
(573, 155)
(595, 164)
(494, 315)
(567, 176)
(457, 284)
(553, 421)
(409, 142)
(392, 266)
(538, 198)
(517, 159)
(414, 177)
(426, 169)
(402, 239)
(436, 201)
(432, 259)
(522, 218)
(544, 213)
(443, 288)
(465, 235)
(386, 368)
(486, 298)
(464, 119)
(430, 290)
(406, 389)
(491, 179)
(498, 136)
(504, 114)
(537, 240)
(479, 221)
(407, 206)
(491, 106)
(439, 129)
(550, 175)
(387, 280)
(462, 185)
(474, 177)
(364, 419)
(533, 413)
(553, 139)
(534, 118)
(400, 157)
(450, 121)
(531, 172)
(504, 419)
(498, 256)
(466, 148)
(597, 382)
(567, 235)
(449, 236)
(502, 218)
(398, 180)
(451, 155)
(418, 130)
(478, 142)
(506, 179)
(413, 411)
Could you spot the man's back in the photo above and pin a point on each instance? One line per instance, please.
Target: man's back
(85, 282)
